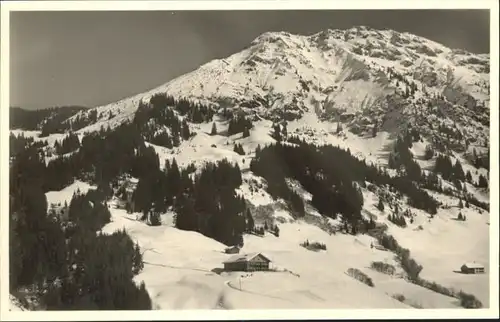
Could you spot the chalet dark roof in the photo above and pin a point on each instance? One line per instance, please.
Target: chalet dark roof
(244, 258)
(473, 265)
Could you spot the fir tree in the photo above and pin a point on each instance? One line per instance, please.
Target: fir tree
(186, 215)
(276, 132)
(176, 141)
(458, 172)
(276, 231)
(380, 205)
(429, 153)
(154, 218)
(483, 182)
(214, 129)
(246, 132)
(371, 223)
(174, 178)
(238, 148)
(250, 226)
(186, 134)
(137, 260)
(375, 130)
(231, 128)
(468, 177)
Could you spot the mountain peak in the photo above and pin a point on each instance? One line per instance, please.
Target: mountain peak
(336, 74)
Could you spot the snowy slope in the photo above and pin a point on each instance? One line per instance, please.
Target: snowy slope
(190, 270)
(441, 244)
(182, 275)
(182, 268)
(65, 195)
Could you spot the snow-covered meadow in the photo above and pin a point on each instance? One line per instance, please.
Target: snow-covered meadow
(183, 269)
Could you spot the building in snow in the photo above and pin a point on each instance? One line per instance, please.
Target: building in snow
(232, 250)
(472, 268)
(247, 262)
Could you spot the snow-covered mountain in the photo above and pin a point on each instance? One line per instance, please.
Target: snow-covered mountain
(359, 76)
(356, 89)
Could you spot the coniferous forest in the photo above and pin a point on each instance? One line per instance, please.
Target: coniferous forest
(62, 256)
(335, 187)
(206, 203)
(63, 261)
(41, 119)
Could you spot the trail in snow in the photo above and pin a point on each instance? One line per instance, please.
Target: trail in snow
(228, 283)
(180, 267)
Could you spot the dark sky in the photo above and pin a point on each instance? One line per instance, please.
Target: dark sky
(93, 58)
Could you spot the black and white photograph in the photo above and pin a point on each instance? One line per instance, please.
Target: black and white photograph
(182, 157)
